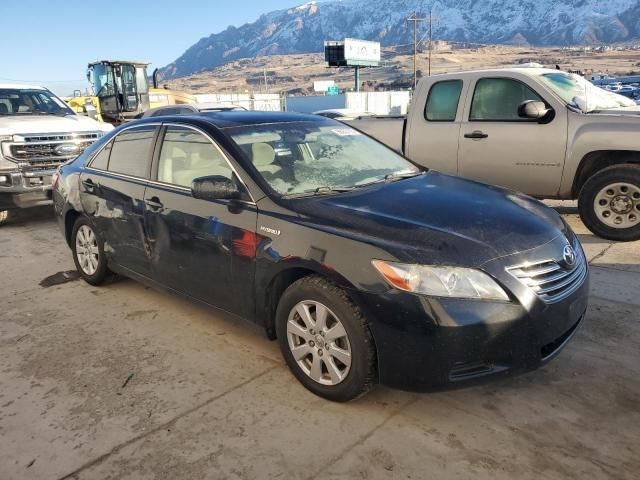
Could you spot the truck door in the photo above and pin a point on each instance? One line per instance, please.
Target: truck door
(434, 126)
(499, 147)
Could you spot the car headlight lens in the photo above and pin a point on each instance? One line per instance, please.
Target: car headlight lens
(441, 281)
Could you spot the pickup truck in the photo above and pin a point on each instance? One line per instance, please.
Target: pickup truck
(547, 133)
(38, 132)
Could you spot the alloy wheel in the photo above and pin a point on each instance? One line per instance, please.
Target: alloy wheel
(319, 343)
(618, 205)
(87, 251)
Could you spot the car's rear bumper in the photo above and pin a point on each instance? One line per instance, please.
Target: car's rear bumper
(428, 344)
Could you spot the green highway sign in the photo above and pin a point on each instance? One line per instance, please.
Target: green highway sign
(333, 90)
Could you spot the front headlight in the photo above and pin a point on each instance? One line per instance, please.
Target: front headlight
(441, 281)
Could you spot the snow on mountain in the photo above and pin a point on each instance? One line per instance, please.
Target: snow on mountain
(303, 28)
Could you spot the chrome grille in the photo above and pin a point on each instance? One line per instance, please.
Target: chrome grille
(39, 151)
(552, 280)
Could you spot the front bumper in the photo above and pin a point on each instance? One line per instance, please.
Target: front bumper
(25, 189)
(428, 344)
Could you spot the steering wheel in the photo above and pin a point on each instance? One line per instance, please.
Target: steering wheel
(105, 86)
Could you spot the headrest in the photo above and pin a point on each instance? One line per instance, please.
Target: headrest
(263, 154)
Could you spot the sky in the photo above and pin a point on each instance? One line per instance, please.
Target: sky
(50, 42)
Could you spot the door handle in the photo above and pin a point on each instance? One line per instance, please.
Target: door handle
(154, 203)
(89, 185)
(476, 134)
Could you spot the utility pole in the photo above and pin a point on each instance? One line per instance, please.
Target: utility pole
(414, 18)
(430, 36)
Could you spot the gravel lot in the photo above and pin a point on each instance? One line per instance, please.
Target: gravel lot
(124, 382)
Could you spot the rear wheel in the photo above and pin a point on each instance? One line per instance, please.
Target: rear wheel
(88, 253)
(609, 203)
(325, 340)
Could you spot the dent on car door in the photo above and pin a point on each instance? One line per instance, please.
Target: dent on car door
(204, 248)
(498, 146)
(112, 194)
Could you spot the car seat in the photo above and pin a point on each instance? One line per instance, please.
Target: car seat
(263, 156)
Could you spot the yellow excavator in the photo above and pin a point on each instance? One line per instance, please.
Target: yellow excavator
(122, 92)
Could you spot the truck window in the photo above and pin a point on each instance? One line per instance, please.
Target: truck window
(131, 151)
(442, 103)
(497, 99)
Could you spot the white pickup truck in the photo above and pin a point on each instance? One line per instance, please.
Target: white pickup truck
(38, 132)
(543, 132)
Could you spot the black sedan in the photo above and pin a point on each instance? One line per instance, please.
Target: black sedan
(366, 268)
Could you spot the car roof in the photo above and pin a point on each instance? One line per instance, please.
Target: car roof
(20, 86)
(237, 118)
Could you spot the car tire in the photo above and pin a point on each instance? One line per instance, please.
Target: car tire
(609, 203)
(88, 253)
(325, 340)
(5, 216)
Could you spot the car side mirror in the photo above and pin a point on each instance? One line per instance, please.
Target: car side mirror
(214, 187)
(534, 110)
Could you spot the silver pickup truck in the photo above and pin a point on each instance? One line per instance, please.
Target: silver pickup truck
(543, 132)
(38, 132)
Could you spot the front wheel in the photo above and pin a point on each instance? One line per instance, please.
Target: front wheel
(88, 253)
(609, 203)
(325, 340)
(5, 216)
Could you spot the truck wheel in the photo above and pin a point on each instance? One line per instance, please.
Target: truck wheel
(325, 340)
(609, 203)
(88, 253)
(5, 216)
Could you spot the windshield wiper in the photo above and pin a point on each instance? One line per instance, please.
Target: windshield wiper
(319, 191)
(392, 177)
(400, 175)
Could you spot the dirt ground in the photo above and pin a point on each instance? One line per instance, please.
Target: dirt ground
(124, 382)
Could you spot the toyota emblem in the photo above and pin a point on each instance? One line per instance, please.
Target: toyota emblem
(569, 256)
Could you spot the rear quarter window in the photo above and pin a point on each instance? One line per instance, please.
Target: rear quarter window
(442, 102)
(101, 160)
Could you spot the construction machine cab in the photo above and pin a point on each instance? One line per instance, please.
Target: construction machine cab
(121, 88)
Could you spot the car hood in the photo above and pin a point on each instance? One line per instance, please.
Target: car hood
(437, 218)
(22, 124)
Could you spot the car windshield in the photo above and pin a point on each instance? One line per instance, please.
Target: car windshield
(578, 92)
(31, 101)
(300, 158)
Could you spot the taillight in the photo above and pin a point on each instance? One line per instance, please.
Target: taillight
(55, 178)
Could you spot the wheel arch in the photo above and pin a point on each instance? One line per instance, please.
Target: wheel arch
(283, 280)
(598, 160)
(69, 221)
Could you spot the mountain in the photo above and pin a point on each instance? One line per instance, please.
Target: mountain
(303, 29)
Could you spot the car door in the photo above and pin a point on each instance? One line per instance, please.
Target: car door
(203, 248)
(497, 146)
(112, 195)
(434, 127)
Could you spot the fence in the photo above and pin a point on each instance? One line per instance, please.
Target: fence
(269, 102)
(380, 103)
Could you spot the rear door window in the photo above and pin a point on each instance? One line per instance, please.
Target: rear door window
(131, 151)
(443, 100)
(497, 99)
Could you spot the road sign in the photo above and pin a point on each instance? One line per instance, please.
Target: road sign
(333, 90)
